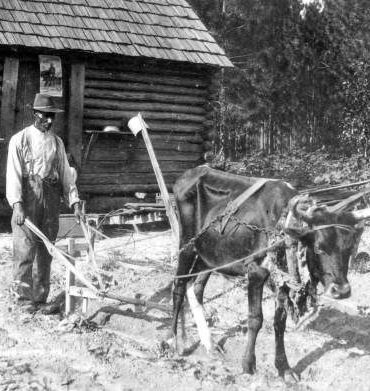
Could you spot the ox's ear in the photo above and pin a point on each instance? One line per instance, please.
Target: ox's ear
(301, 234)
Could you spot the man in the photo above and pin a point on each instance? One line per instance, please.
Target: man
(38, 173)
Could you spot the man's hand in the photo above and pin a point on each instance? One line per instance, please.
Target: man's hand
(18, 213)
(78, 212)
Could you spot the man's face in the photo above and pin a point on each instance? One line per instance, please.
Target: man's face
(44, 121)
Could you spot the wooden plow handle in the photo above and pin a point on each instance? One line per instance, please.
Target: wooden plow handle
(137, 124)
(61, 256)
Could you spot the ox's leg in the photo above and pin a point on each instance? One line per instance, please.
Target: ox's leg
(178, 301)
(199, 286)
(257, 276)
(281, 310)
(186, 260)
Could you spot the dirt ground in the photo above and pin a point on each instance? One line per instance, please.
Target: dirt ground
(119, 349)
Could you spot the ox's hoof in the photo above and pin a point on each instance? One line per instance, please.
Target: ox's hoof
(249, 365)
(175, 345)
(290, 376)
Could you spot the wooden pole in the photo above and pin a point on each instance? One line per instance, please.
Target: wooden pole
(348, 201)
(70, 279)
(91, 253)
(88, 293)
(75, 110)
(337, 187)
(9, 97)
(162, 186)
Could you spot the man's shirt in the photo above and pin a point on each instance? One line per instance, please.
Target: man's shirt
(32, 152)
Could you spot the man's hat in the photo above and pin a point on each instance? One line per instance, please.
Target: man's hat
(46, 104)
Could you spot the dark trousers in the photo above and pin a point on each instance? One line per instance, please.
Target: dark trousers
(31, 273)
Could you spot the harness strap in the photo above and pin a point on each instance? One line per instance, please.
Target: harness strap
(234, 205)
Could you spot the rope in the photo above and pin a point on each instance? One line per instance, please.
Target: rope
(260, 253)
(127, 242)
(247, 260)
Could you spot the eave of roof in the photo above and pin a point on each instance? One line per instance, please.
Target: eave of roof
(161, 29)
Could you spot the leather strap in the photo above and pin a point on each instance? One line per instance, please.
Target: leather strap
(234, 205)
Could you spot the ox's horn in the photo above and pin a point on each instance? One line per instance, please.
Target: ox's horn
(360, 214)
(302, 208)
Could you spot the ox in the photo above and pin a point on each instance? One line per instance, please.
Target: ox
(210, 237)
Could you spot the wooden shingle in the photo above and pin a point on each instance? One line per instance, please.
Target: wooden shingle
(53, 32)
(78, 2)
(88, 34)
(3, 40)
(26, 28)
(7, 15)
(43, 19)
(77, 10)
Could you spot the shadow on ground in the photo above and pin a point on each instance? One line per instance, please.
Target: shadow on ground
(347, 331)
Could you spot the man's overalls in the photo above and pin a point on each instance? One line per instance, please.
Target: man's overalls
(41, 203)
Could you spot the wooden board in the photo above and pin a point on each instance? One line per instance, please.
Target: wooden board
(3, 144)
(9, 97)
(75, 111)
(99, 154)
(141, 65)
(138, 85)
(148, 115)
(7, 111)
(28, 86)
(121, 188)
(129, 142)
(127, 178)
(144, 96)
(113, 104)
(156, 126)
(150, 78)
(133, 166)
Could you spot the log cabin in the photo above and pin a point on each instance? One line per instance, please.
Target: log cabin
(105, 61)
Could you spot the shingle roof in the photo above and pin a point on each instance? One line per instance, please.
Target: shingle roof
(164, 29)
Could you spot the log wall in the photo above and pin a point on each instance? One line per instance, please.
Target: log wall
(174, 101)
(3, 145)
(1, 76)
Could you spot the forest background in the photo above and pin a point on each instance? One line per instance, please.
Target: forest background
(297, 104)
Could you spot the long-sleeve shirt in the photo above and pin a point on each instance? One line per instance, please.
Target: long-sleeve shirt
(32, 152)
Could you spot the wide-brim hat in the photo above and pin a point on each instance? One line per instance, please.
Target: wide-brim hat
(46, 104)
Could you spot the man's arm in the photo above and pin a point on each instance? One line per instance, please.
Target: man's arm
(13, 174)
(14, 182)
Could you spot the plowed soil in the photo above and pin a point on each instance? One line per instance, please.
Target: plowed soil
(114, 347)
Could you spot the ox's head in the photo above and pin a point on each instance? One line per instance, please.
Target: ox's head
(329, 238)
